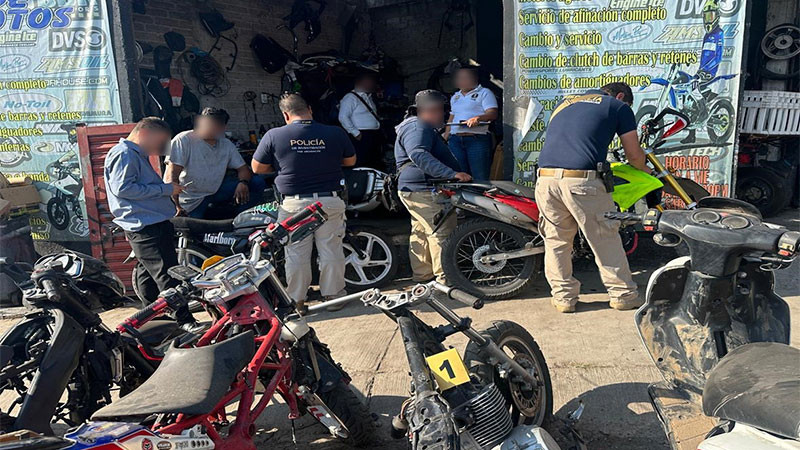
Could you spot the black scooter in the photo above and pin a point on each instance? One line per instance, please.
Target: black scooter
(717, 331)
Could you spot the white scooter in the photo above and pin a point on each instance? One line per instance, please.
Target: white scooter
(717, 331)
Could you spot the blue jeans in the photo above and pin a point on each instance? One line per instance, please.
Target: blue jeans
(473, 153)
(225, 195)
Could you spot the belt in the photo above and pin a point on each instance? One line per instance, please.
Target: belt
(567, 173)
(470, 134)
(314, 195)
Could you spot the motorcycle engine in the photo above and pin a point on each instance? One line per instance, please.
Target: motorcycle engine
(490, 419)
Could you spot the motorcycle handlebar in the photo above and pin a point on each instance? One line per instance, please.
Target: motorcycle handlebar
(623, 216)
(172, 299)
(460, 296)
(50, 290)
(307, 212)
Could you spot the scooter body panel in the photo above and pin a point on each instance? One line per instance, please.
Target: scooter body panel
(483, 205)
(687, 334)
(131, 436)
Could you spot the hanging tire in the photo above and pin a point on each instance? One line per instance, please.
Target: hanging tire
(351, 413)
(764, 189)
(529, 406)
(377, 264)
(57, 213)
(493, 281)
(722, 112)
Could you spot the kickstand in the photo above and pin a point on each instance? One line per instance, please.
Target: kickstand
(294, 436)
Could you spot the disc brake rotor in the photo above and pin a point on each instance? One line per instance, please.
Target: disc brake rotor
(526, 400)
(482, 251)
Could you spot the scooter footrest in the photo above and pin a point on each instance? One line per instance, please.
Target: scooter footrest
(681, 415)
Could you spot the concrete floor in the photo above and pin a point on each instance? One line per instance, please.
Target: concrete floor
(594, 356)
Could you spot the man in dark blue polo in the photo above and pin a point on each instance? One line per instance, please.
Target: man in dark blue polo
(571, 194)
(309, 157)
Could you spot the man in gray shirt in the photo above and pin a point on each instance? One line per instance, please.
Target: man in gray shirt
(198, 160)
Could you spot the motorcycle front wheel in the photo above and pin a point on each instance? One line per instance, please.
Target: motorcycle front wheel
(720, 124)
(528, 405)
(476, 238)
(57, 213)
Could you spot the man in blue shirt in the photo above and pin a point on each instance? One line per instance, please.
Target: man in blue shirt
(309, 157)
(571, 195)
(422, 154)
(141, 205)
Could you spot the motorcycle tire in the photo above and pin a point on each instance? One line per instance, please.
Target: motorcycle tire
(457, 268)
(723, 137)
(57, 214)
(510, 336)
(763, 188)
(351, 412)
(645, 113)
(379, 265)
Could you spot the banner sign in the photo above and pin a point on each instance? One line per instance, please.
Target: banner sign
(56, 69)
(682, 54)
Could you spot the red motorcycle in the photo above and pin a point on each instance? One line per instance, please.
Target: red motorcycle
(250, 348)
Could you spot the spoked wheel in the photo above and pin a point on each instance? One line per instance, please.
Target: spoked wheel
(531, 405)
(474, 239)
(370, 258)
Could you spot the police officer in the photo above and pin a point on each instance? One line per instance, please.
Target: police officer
(571, 194)
(309, 157)
(422, 154)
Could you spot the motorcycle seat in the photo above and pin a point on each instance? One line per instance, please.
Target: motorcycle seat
(189, 380)
(511, 188)
(199, 226)
(757, 384)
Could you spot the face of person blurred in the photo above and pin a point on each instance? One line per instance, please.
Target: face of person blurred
(154, 142)
(432, 115)
(208, 128)
(367, 84)
(465, 80)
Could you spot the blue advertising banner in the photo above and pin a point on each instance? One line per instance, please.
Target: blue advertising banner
(683, 54)
(56, 69)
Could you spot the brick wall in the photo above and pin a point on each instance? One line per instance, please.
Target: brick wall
(251, 17)
(407, 32)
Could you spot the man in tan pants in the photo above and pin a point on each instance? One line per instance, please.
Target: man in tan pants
(571, 194)
(422, 154)
(309, 157)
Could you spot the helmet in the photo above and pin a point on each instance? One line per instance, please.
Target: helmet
(711, 14)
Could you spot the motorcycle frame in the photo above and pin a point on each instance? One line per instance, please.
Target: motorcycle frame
(249, 310)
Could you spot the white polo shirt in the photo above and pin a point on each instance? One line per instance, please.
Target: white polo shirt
(466, 106)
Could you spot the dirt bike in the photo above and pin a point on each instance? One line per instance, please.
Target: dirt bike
(67, 185)
(717, 331)
(712, 112)
(497, 396)
(249, 346)
(62, 346)
(497, 252)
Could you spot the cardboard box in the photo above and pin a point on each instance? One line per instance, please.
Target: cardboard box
(17, 193)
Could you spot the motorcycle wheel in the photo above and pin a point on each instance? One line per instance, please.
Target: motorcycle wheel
(724, 112)
(530, 406)
(351, 413)
(644, 114)
(57, 213)
(498, 281)
(764, 189)
(379, 264)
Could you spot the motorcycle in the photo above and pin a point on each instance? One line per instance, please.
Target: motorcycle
(371, 259)
(496, 253)
(717, 331)
(251, 347)
(63, 347)
(497, 396)
(67, 184)
(714, 113)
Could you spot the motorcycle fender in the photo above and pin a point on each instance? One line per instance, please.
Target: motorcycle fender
(484, 206)
(55, 371)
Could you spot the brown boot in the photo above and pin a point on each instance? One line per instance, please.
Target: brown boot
(563, 306)
(300, 307)
(625, 304)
